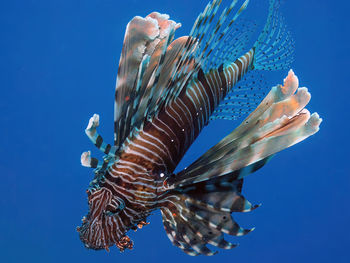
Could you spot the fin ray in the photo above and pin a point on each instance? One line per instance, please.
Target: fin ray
(280, 121)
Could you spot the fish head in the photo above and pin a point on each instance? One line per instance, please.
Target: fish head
(103, 226)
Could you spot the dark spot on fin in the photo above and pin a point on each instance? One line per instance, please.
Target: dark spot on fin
(108, 148)
(94, 162)
(99, 141)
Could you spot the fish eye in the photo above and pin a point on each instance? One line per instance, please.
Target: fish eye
(112, 211)
(114, 207)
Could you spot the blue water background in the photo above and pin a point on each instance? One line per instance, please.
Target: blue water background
(58, 64)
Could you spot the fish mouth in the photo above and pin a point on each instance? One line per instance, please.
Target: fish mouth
(105, 225)
(90, 234)
(95, 235)
(97, 231)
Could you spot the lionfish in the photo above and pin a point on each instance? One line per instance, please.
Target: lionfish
(167, 91)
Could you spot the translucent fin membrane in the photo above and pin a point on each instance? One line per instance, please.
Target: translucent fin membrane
(210, 30)
(275, 46)
(232, 46)
(279, 122)
(205, 37)
(154, 69)
(243, 98)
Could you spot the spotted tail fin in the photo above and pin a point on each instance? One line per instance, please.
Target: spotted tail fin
(279, 122)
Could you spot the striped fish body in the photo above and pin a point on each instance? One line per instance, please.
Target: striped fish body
(162, 142)
(167, 91)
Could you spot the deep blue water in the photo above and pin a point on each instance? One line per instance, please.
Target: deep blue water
(58, 64)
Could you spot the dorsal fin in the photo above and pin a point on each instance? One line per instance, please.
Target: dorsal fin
(145, 44)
